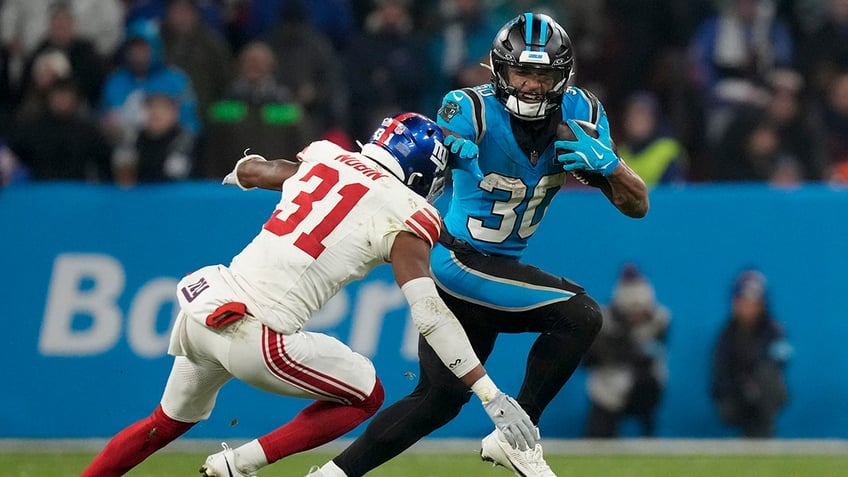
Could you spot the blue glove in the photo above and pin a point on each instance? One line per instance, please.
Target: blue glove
(587, 153)
(465, 152)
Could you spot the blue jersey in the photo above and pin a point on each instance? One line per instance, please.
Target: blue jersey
(499, 214)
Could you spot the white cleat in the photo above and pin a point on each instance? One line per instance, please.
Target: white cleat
(222, 464)
(529, 463)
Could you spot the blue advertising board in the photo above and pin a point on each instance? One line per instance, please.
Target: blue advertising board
(88, 299)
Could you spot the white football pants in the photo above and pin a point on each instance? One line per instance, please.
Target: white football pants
(304, 364)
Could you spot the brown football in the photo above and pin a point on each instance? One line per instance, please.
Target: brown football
(564, 132)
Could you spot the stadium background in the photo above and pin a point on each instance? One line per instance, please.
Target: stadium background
(88, 297)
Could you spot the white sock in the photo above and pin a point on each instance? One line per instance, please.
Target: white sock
(250, 457)
(330, 469)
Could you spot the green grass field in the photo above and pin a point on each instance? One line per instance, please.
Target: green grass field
(32, 464)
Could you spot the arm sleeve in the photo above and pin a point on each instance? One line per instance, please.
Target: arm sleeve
(439, 326)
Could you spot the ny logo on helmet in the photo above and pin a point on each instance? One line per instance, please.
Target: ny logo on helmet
(439, 156)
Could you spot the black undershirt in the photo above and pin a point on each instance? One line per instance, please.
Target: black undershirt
(533, 137)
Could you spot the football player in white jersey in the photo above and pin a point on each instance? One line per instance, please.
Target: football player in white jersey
(341, 214)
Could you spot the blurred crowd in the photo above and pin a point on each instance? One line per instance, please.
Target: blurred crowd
(132, 91)
(628, 362)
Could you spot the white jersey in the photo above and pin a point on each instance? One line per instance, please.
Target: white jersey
(337, 220)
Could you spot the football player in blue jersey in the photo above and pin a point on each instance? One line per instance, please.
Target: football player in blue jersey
(508, 166)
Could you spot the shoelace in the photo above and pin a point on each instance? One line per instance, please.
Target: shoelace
(535, 458)
(538, 460)
(233, 464)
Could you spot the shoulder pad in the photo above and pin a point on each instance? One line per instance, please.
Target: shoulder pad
(319, 149)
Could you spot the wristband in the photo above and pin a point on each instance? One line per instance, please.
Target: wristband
(485, 389)
(235, 169)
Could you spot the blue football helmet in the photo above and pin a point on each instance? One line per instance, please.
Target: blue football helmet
(531, 41)
(411, 147)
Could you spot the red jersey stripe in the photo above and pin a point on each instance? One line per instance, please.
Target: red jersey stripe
(419, 231)
(434, 216)
(425, 225)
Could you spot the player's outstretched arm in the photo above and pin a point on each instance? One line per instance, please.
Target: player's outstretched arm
(627, 191)
(254, 171)
(463, 153)
(410, 257)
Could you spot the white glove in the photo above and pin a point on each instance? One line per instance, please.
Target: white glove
(232, 177)
(512, 421)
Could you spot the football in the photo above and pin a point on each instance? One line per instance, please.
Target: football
(565, 133)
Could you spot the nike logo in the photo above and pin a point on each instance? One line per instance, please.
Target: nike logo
(597, 154)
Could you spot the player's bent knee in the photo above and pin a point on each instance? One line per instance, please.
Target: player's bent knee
(372, 403)
(581, 315)
(168, 426)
